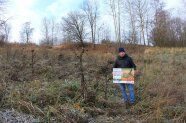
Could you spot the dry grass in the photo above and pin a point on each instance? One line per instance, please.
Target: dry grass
(53, 88)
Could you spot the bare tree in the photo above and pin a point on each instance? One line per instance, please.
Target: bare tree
(49, 31)
(45, 30)
(2, 8)
(5, 30)
(129, 6)
(169, 31)
(141, 10)
(161, 29)
(184, 34)
(53, 29)
(74, 25)
(26, 32)
(103, 33)
(99, 31)
(115, 7)
(91, 10)
(148, 28)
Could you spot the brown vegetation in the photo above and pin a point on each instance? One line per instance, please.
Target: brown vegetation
(45, 82)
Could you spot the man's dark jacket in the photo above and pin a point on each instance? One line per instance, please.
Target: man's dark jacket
(124, 62)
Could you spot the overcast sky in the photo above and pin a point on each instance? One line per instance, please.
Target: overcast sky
(22, 11)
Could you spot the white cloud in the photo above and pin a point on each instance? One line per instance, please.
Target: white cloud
(173, 3)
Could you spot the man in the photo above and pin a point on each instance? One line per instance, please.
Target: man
(124, 61)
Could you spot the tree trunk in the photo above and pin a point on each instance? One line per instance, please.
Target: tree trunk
(143, 35)
(83, 83)
(93, 39)
(119, 24)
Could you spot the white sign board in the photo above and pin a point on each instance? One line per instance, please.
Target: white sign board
(123, 75)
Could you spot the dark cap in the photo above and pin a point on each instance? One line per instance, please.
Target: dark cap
(121, 50)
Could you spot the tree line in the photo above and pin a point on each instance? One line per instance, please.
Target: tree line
(144, 22)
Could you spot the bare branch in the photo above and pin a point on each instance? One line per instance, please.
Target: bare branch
(74, 26)
(90, 8)
(26, 32)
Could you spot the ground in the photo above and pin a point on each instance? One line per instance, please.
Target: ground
(44, 84)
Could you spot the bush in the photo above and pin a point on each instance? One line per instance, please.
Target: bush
(42, 94)
(105, 41)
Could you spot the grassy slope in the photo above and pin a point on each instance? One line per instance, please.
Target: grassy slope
(53, 87)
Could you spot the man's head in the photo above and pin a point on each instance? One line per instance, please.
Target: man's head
(121, 52)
